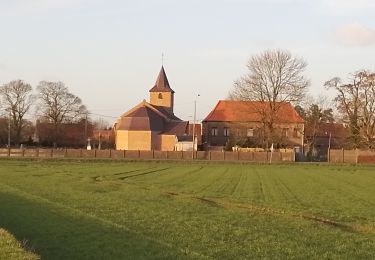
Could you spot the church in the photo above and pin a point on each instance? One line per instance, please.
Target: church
(152, 125)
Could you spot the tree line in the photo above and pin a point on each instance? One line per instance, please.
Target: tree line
(54, 104)
(276, 76)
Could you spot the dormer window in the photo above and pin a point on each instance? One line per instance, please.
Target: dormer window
(160, 96)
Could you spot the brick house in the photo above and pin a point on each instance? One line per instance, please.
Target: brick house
(241, 123)
(152, 125)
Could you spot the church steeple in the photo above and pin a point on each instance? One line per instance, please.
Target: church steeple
(161, 93)
(161, 84)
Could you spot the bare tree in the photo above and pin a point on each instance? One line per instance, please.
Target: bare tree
(57, 105)
(356, 102)
(17, 98)
(274, 77)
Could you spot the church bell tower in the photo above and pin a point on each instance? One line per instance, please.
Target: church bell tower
(161, 93)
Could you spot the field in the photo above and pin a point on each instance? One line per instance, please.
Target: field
(179, 210)
(12, 249)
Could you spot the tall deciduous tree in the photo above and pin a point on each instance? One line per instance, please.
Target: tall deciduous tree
(274, 76)
(355, 100)
(57, 105)
(16, 98)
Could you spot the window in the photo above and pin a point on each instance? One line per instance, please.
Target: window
(214, 131)
(160, 96)
(296, 132)
(250, 132)
(226, 131)
(285, 132)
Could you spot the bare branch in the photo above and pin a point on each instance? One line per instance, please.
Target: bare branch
(17, 98)
(274, 77)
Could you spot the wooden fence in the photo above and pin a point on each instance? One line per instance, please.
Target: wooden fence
(277, 156)
(351, 156)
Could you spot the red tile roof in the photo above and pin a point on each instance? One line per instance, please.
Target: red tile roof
(251, 111)
(161, 84)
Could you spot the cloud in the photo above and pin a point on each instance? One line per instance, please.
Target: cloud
(355, 34)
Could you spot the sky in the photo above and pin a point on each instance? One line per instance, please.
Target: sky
(109, 52)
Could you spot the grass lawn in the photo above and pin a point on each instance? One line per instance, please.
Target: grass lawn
(166, 210)
(10, 248)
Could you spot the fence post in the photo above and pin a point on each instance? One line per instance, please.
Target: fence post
(8, 151)
(23, 152)
(139, 154)
(209, 155)
(343, 155)
(153, 154)
(223, 155)
(124, 154)
(166, 155)
(80, 152)
(37, 152)
(238, 155)
(51, 152)
(110, 153)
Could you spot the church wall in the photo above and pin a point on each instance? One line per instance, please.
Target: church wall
(156, 141)
(168, 142)
(140, 140)
(133, 140)
(121, 140)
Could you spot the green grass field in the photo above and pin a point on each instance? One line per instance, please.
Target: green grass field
(166, 210)
(10, 248)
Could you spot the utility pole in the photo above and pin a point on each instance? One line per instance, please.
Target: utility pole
(195, 115)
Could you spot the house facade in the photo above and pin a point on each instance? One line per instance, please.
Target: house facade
(241, 123)
(152, 125)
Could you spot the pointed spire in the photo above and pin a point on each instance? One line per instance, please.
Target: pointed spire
(161, 84)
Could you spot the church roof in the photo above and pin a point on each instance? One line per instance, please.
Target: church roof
(166, 112)
(142, 118)
(147, 117)
(162, 84)
(176, 128)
